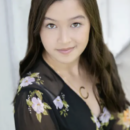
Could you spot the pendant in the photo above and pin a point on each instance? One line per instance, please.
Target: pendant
(82, 87)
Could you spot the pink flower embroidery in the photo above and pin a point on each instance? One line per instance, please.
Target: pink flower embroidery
(37, 105)
(27, 81)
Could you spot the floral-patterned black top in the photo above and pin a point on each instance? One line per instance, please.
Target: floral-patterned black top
(45, 102)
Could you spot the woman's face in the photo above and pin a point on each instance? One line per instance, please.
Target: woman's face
(65, 31)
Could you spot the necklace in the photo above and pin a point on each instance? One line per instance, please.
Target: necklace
(82, 87)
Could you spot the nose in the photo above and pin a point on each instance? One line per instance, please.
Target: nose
(64, 36)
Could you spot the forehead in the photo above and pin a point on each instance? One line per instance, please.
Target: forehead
(65, 10)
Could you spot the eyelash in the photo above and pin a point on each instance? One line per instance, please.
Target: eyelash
(53, 24)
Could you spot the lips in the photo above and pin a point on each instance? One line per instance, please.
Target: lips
(66, 50)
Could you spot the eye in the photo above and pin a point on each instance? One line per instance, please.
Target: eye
(50, 26)
(77, 24)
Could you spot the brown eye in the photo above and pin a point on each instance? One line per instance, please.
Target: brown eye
(50, 26)
(77, 24)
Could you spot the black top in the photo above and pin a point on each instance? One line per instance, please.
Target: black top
(45, 102)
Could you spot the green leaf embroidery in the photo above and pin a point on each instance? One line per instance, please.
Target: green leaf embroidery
(64, 115)
(46, 106)
(45, 112)
(34, 75)
(112, 117)
(97, 128)
(101, 128)
(106, 124)
(32, 93)
(41, 82)
(64, 110)
(65, 103)
(29, 103)
(92, 119)
(19, 89)
(21, 80)
(39, 117)
(61, 112)
(39, 94)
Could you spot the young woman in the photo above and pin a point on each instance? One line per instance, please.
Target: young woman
(69, 79)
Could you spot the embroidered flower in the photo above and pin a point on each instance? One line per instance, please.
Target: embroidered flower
(37, 105)
(105, 116)
(124, 119)
(97, 121)
(58, 103)
(27, 81)
(61, 104)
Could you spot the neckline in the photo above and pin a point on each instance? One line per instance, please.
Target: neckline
(59, 77)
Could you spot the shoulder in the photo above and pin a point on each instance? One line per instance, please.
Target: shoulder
(30, 96)
(30, 89)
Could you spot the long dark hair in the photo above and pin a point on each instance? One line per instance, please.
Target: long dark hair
(100, 60)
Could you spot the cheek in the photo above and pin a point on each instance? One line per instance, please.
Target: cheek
(83, 36)
(85, 32)
(48, 40)
(45, 36)
(48, 45)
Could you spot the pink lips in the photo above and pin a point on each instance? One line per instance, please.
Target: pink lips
(66, 51)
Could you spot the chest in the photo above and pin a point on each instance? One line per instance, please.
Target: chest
(88, 90)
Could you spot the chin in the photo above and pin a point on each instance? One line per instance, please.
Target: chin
(67, 60)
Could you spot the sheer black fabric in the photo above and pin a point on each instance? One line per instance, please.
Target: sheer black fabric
(26, 120)
(45, 102)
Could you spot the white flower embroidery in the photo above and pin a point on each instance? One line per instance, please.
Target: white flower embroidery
(27, 81)
(37, 105)
(105, 116)
(58, 103)
(97, 122)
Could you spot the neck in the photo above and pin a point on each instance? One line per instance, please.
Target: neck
(72, 68)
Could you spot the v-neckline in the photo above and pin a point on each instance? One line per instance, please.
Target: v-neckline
(65, 84)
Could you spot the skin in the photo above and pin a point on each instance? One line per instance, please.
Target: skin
(65, 32)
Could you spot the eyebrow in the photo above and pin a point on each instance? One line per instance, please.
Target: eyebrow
(76, 17)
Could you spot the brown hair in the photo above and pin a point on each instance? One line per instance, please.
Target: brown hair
(100, 60)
